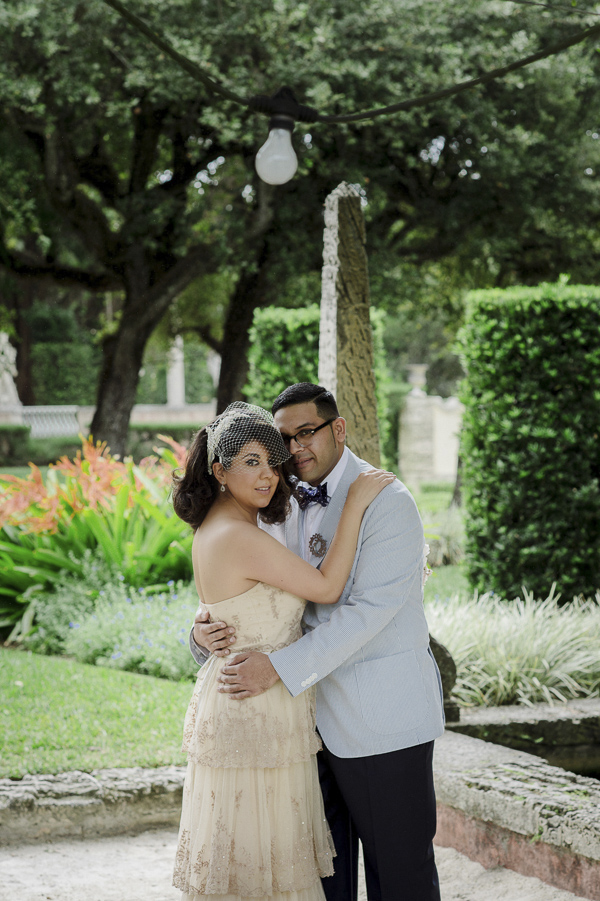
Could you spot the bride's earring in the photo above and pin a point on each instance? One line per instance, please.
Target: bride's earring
(223, 488)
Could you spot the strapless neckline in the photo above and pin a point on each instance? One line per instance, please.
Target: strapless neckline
(235, 596)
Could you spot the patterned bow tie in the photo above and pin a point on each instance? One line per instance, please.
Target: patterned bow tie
(316, 495)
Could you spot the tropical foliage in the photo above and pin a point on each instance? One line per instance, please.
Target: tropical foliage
(94, 502)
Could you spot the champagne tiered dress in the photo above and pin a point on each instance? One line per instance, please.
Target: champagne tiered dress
(252, 824)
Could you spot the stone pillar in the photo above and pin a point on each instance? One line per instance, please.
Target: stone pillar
(346, 344)
(11, 408)
(213, 364)
(176, 375)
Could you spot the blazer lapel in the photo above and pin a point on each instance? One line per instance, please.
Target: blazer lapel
(293, 530)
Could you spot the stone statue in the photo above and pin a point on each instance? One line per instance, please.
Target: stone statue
(10, 404)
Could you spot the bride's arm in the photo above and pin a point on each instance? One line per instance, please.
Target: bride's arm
(210, 638)
(261, 557)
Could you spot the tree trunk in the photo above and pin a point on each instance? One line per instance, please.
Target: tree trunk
(119, 376)
(146, 301)
(247, 297)
(26, 290)
(457, 493)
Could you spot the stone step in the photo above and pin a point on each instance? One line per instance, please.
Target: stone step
(498, 806)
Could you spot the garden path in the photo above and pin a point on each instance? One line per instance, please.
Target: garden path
(138, 868)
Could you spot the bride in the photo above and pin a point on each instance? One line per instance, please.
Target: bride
(252, 823)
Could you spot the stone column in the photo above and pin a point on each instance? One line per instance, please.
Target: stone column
(346, 344)
(176, 374)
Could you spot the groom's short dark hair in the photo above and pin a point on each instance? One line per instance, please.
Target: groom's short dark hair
(306, 392)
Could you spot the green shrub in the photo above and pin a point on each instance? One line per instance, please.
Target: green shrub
(284, 349)
(143, 438)
(65, 372)
(152, 386)
(447, 541)
(69, 600)
(43, 451)
(140, 630)
(13, 444)
(530, 442)
(93, 502)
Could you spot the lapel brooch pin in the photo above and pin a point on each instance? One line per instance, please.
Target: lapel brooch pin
(317, 545)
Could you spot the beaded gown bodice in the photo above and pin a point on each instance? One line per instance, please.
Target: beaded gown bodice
(271, 729)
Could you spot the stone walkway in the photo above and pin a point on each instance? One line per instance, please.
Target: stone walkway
(138, 868)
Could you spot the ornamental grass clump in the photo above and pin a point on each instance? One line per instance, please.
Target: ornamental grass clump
(92, 503)
(520, 652)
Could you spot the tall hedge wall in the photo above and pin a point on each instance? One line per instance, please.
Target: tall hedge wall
(284, 349)
(531, 439)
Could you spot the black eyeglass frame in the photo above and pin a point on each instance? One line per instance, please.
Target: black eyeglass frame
(287, 439)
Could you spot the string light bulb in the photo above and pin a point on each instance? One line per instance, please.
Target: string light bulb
(276, 162)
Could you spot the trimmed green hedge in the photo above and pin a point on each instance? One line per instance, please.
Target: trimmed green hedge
(284, 349)
(65, 372)
(13, 444)
(531, 439)
(17, 449)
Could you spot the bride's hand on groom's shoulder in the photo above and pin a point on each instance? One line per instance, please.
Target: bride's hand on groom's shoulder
(368, 484)
(215, 637)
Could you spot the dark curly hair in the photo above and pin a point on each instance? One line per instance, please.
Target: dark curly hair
(195, 490)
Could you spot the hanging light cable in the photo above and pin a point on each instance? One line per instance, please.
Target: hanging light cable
(276, 159)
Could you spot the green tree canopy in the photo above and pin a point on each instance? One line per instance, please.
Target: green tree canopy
(126, 176)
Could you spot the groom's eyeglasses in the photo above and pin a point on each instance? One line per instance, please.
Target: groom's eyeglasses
(305, 436)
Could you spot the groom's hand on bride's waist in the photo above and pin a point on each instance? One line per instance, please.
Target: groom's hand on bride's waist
(247, 675)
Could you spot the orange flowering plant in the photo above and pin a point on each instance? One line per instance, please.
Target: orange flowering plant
(116, 508)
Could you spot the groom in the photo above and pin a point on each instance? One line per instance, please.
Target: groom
(379, 695)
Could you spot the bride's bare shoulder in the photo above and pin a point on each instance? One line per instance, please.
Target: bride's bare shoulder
(227, 529)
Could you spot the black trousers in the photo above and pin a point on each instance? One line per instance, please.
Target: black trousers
(388, 802)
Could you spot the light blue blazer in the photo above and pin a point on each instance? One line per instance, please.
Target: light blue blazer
(378, 685)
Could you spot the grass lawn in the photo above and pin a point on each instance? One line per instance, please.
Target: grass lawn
(58, 715)
(433, 498)
(446, 581)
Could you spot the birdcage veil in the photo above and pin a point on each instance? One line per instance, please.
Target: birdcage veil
(239, 424)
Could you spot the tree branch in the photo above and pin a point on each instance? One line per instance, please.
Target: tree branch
(205, 335)
(265, 211)
(423, 100)
(24, 266)
(147, 128)
(186, 64)
(198, 261)
(97, 170)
